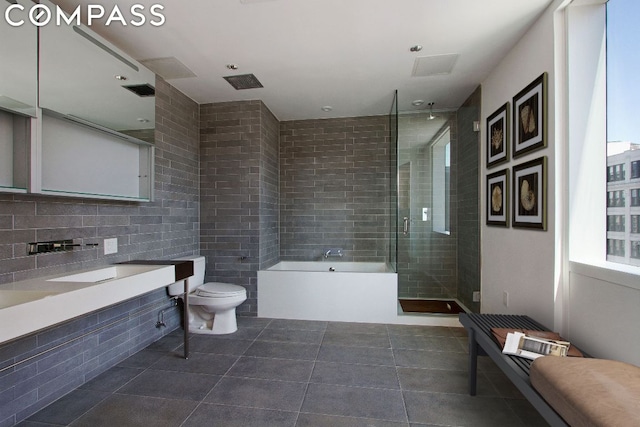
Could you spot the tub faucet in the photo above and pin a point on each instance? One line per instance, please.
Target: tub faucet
(333, 252)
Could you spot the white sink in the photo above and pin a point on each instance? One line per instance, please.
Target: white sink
(15, 297)
(31, 305)
(104, 274)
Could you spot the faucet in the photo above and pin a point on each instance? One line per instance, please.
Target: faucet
(333, 252)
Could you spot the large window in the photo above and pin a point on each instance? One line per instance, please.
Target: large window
(623, 132)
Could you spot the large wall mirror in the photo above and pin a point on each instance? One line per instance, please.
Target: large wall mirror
(82, 76)
(19, 66)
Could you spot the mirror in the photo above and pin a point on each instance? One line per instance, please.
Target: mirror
(19, 66)
(86, 78)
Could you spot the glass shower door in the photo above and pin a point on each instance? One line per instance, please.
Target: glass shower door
(425, 170)
(393, 172)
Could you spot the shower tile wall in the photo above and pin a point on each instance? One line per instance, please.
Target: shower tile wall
(334, 188)
(162, 229)
(238, 180)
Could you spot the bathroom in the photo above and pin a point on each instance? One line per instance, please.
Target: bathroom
(237, 233)
(188, 217)
(211, 215)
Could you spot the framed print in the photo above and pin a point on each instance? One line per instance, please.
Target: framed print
(530, 194)
(498, 136)
(497, 198)
(530, 117)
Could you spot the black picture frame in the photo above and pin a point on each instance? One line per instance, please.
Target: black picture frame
(530, 194)
(530, 117)
(498, 132)
(498, 198)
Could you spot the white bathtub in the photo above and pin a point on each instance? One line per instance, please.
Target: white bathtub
(354, 292)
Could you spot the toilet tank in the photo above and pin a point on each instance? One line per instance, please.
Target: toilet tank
(196, 280)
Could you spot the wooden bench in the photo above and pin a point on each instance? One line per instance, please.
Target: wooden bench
(478, 327)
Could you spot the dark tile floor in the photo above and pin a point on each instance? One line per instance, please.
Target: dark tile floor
(298, 373)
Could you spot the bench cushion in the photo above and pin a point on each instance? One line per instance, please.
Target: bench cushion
(589, 392)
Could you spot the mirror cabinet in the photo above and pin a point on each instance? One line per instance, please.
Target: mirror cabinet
(77, 115)
(18, 101)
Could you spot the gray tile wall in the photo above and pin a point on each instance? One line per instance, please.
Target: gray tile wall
(334, 188)
(162, 229)
(238, 198)
(469, 202)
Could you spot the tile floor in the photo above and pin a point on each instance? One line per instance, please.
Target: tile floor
(275, 372)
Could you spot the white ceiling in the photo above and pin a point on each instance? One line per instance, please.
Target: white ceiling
(349, 54)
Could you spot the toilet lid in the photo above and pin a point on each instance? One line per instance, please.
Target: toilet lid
(216, 289)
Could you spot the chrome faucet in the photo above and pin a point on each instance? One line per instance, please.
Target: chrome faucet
(333, 252)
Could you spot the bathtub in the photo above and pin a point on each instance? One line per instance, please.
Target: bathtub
(329, 290)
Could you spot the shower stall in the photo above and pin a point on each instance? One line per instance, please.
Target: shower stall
(435, 200)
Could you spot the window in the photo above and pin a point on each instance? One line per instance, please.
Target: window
(615, 173)
(602, 89)
(635, 197)
(615, 247)
(623, 135)
(635, 169)
(635, 250)
(615, 223)
(615, 199)
(441, 155)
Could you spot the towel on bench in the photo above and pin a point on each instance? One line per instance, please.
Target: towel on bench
(589, 392)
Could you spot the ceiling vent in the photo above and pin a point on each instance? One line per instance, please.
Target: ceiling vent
(434, 65)
(168, 68)
(243, 81)
(144, 90)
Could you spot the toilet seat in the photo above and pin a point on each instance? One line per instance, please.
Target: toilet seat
(220, 290)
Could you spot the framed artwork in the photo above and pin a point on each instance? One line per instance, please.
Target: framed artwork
(530, 117)
(498, 198)
(498, 136)
(530, 194)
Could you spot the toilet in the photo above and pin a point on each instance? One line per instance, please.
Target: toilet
(212, 305)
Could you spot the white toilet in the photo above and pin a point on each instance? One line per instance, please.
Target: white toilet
(212, 306)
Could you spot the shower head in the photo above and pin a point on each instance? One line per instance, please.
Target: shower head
(431, 115)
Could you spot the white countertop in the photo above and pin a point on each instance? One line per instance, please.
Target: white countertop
(31, 305)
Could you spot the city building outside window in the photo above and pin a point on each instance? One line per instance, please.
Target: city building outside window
(623, 133)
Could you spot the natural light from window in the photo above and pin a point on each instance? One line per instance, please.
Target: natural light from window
(623, 132)
(441, 182)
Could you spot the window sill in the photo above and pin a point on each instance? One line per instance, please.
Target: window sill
(619, 274)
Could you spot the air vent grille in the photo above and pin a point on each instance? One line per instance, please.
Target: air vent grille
(168, 68)
(144, 90)
(434, 65)
(243, 81)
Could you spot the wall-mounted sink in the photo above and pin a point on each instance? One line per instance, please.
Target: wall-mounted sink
(15, 297)
(31, 305)
(103, 274)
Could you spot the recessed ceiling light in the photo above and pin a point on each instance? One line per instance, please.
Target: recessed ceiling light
(418, 102)
(119, 77)
(416, 48)
(232, 66)
(327, 108)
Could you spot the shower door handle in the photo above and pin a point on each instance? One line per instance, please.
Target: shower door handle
(405, 227)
